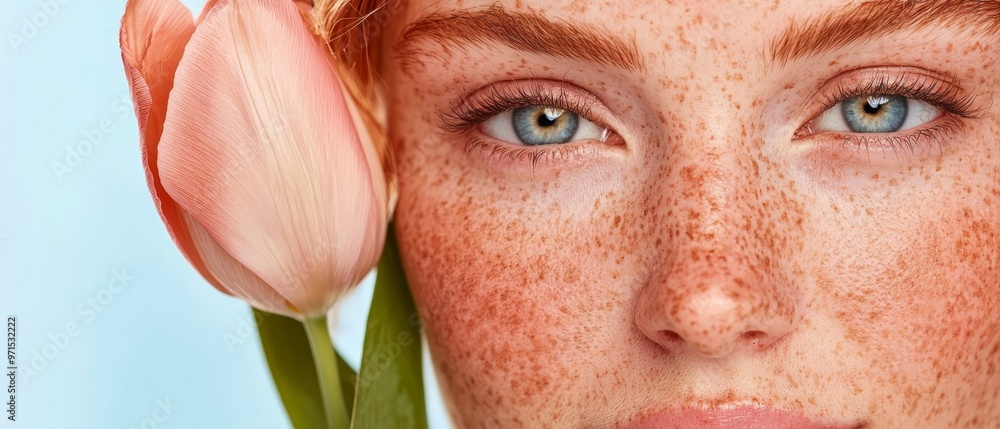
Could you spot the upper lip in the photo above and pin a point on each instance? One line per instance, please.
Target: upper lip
(733, 416)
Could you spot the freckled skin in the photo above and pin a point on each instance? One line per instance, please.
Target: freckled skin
(712, 257)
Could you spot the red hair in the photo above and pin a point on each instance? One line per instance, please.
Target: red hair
(347, 27)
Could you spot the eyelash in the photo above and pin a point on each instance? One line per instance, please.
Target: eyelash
(943, 94)
(920, 87)
(503, 96)
(500, 97)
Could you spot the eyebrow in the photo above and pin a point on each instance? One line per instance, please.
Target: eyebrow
(874, 19)
(524, 31)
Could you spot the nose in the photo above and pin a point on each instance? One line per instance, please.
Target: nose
(706, 303)
(718, 283)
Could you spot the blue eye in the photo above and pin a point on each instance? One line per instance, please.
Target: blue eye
(876, 113)
(536, 125)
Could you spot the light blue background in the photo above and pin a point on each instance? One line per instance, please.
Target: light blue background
(165, 337)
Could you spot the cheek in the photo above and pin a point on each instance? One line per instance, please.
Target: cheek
(508, 276)
(916, 287)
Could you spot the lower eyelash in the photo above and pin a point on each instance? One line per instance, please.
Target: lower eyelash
(524, 160)
(921, 140)
(502, 156)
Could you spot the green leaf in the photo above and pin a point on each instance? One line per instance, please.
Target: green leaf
(390, 382)
(348, 378)
(289, 356)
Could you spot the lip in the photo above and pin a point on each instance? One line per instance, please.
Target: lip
(736, 417)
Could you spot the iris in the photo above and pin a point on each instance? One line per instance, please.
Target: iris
(539, 125)
(875, 113)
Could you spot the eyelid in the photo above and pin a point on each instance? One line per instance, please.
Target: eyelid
(938, 89)
(498, 97)
(465, 117)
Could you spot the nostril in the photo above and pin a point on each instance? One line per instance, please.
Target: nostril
(754, 337)
(671, 337)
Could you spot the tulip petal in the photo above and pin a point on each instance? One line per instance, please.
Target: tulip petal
(209, 5)
(260, 147)
(153, 36)
(242, 282)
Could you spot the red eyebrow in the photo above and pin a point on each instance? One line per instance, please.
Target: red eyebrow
(524, 31)
(873, 19)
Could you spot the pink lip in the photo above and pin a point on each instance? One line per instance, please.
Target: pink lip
(740, 417)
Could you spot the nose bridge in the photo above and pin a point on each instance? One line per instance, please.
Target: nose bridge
(717, 289)
(705, 182)
(706, 150)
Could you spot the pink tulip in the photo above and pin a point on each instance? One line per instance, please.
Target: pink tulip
(253, 152)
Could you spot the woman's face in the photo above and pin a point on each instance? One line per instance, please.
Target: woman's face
(662, 213)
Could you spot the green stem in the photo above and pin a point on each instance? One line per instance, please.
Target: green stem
(329, 376)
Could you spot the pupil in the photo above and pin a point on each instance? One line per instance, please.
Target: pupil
(871, 110)
(543, 121)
